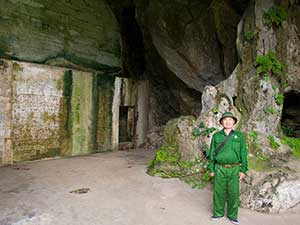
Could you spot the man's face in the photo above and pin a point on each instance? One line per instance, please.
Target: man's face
(228, 122)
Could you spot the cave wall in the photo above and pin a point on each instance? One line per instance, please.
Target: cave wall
(252, 96)
(185, 45)
(257, 92)
(85, 33)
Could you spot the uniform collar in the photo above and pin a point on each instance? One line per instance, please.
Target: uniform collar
(223, 132)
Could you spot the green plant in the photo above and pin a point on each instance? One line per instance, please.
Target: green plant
(294, 144)
(286, 80)
(267, 65)
(270, 110)
(257, 152)
(273, 143)
(215, 110)
(201, 130)
(254, 138)
(267, 78)
(258, 162)
(260, 156)
(198, 182)
(275, 16)
(279, 98)
(249, 36)
(288, 131)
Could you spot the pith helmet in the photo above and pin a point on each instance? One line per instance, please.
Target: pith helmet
(228, 114)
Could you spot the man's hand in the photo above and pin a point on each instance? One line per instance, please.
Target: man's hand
(242, 176)
(212, 174)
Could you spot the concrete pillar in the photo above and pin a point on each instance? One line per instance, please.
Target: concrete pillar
(115, 112)
(142, 112)
(82, 113)
(6, 75)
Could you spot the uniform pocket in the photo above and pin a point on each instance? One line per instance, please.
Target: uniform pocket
(236, 144)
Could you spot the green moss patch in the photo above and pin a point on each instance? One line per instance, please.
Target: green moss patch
(257, 164)
(273, 143)
(294, 144)
(168, 164)
(256, 159)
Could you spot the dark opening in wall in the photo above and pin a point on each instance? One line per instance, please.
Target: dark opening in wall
(132, 44)
(234, 100)
(290, 121)
(126, 124)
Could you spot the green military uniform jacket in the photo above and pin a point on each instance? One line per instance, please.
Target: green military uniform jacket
(233, 152)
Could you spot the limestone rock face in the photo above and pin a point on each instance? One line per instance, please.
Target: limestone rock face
(187, 48)
(189, 148)
(85, 33)
(251, 97)
(187, 45)
(257, 100)
(154, 138)
(254, 100)
(276, 192)
(193, 43)
(178, 134)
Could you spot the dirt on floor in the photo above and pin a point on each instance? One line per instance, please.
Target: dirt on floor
(108, 189)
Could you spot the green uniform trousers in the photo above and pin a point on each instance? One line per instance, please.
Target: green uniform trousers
(226, 182)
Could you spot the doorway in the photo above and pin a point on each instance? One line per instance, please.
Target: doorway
(126, 125)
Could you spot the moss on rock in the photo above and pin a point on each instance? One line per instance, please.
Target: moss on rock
(169, 162)
(294, 144)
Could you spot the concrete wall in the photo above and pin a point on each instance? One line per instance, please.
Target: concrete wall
(134, 94)
(37, 92)
(143, 110)
(5, 113)
(49, 111)
(106, 90)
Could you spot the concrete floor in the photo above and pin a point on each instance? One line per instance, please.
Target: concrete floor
(121, 193)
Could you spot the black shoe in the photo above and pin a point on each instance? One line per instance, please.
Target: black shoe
(234, 221)
(215, 218)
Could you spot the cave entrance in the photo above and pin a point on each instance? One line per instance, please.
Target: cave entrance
(126, 126)
(290, 121)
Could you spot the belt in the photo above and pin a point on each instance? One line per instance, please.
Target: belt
(230, 165)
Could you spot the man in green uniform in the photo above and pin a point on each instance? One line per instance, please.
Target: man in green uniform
(228, 165)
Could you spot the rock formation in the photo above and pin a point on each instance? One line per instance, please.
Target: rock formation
(268, 70)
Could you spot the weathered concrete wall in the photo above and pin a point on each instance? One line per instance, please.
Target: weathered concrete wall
(105, 98)
(36, 97)
(83, 32)
(82, 113)
(5, 113)
(129, 89)
(49, 111)
(134, 94)
(143, 109)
